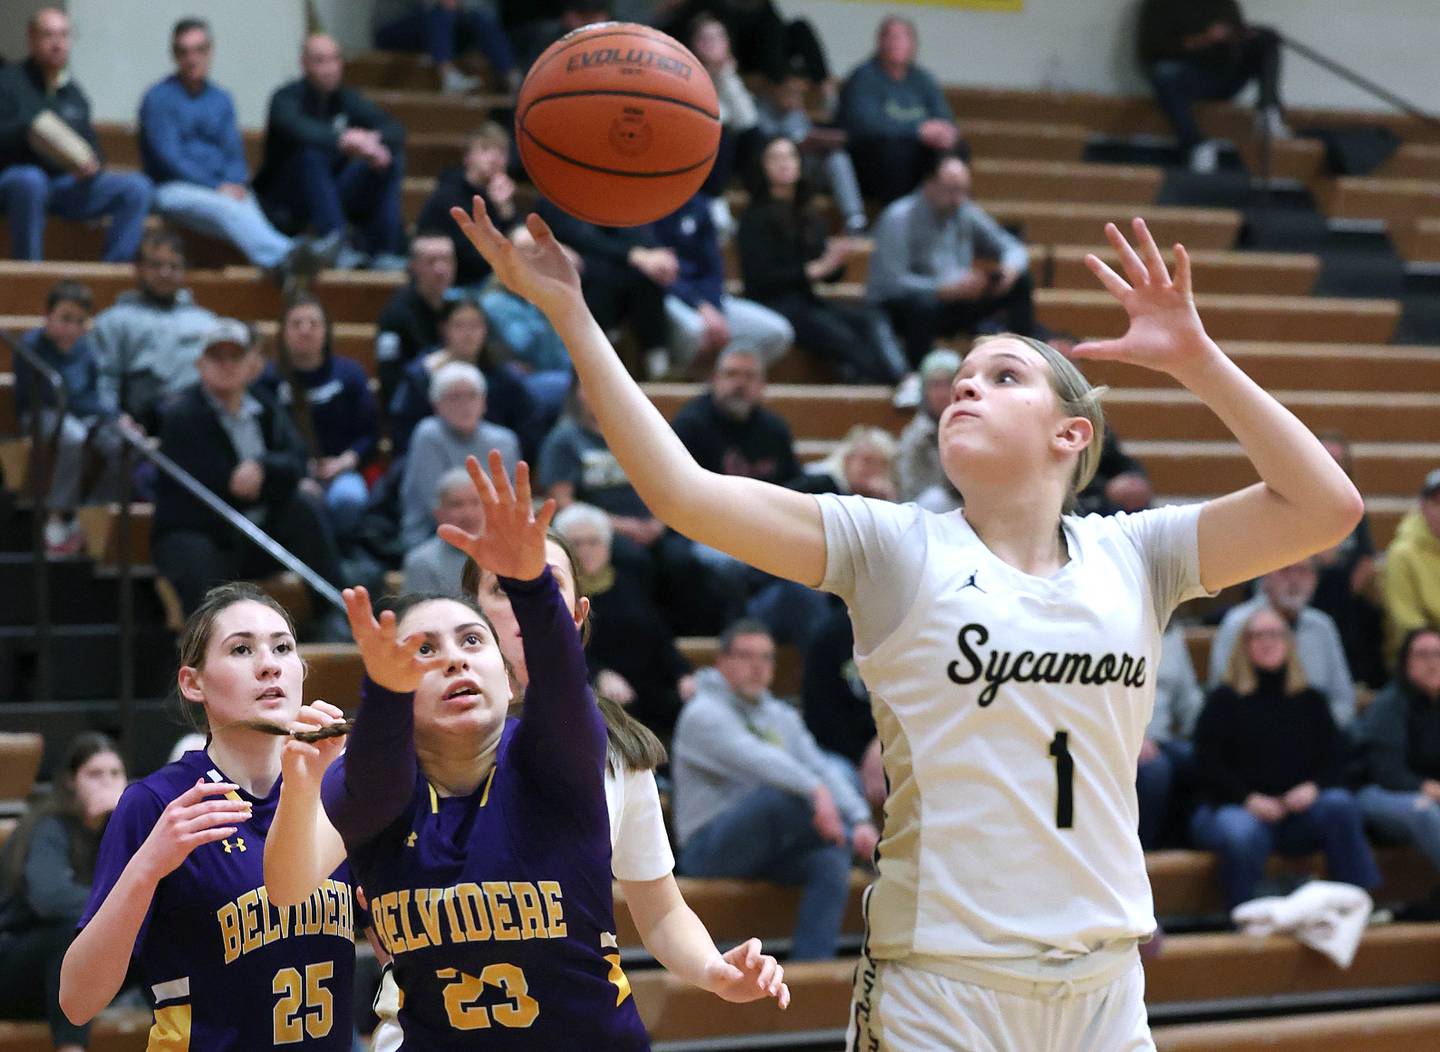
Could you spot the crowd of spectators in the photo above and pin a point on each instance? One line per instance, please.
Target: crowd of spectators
(1271, 754)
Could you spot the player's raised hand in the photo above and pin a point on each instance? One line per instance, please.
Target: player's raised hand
(1165, 331)
(304, 763)
(512, 544)
(745, 974)
(539, 271)
(201, 814)
(395, 664)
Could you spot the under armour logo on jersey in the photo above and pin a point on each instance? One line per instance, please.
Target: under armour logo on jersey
(410, 840)
(970, 582)
(238, 845)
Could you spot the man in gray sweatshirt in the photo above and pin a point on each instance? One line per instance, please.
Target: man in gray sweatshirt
(755, 797)
(148, 342)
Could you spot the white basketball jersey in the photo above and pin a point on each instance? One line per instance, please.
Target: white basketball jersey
(1011, 709)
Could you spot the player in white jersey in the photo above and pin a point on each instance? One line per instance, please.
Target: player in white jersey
(1009, 649)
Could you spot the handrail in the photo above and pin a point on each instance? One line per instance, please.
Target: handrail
(135, 443)
(40, 474)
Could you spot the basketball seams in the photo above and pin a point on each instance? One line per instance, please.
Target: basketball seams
(593, 92)
(615, 171)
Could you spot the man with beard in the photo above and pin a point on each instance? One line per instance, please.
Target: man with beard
(728, 430)
(148, 342)
(1288, 592)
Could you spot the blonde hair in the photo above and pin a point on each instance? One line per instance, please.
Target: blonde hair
(1077, 397)
(1240, 674)
(858, 435)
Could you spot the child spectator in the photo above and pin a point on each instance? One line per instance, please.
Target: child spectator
(481, 173)
(90, 414)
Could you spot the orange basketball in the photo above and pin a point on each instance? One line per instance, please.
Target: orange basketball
(617, 124)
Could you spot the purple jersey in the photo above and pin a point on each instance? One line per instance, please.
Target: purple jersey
(496, 906)
(225, 969)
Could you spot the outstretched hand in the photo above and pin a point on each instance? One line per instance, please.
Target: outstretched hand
(395, 664)
(539, 271)
(745, 974)
(304, 762)
(512, 543)
(1165, 330)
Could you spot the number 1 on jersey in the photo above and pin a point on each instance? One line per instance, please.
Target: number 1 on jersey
(1065, 777)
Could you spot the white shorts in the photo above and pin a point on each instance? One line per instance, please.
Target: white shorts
(901, 1008)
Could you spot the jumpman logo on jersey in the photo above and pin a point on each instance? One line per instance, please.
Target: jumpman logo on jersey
(239, 845)
(970, 582)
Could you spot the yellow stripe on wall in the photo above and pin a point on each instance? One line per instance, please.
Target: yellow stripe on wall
(171, 1031)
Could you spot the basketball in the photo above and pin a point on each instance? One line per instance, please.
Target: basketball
(617, 124)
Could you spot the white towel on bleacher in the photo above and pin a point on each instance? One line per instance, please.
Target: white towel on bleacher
(1324, 915)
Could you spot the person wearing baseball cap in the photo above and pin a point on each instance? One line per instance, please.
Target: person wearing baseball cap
(1411, 581)
(237, 441)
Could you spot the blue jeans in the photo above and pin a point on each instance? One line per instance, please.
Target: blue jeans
(29, 192)
(1154, 784)
(768, 835)
(208, 211)
(1411, 817)
(345, 501)
(1180, 84)
(324, 191)
(1243, 842)
(791, 611)
(443, 33)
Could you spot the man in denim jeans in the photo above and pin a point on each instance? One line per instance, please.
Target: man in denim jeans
(755, 797)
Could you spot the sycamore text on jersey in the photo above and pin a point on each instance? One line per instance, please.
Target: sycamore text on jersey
(1032, 666)
(499, 910)
(251, 921)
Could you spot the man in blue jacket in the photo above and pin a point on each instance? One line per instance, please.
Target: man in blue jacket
(49, 157)
(332, 156)
(191, 147)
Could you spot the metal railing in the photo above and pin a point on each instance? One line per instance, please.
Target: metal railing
(133, 445)
(39, 474)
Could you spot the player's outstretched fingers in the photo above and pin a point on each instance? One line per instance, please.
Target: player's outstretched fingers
(1133, 267)
(1150, 253)
(359, 613)
(1182, 269)
(523, 495)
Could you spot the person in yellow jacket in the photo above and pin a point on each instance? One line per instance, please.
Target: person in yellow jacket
(1412, 569)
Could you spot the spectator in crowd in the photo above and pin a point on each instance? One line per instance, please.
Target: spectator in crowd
(45, 874)
(147, 343)
(576, 465)
(1400, 736)
(1192, 50)
(836, 705)
(630, 652)
(1269, 760)
(464, 337)
(863, 463)
(783, 114)
(1411, 580)
(445, 30)
(481, 173)
(755, 797)
(917, 461)
(1288, 591)
(410, 322)
(765, 41)
(239, 444)
(895, 115)
(535, 348)
(443, 441)
(624, 275)
(50, 159)
(923, 268)
(1167, 750)
(434, 567)
(1120, 482)
(710, 43)
(87, 433)
(704, 319)
(191, 147)
(1348, 589)
(786, 250)
(336, 417)
(533, 28)
(727, 429)
(333, 157)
